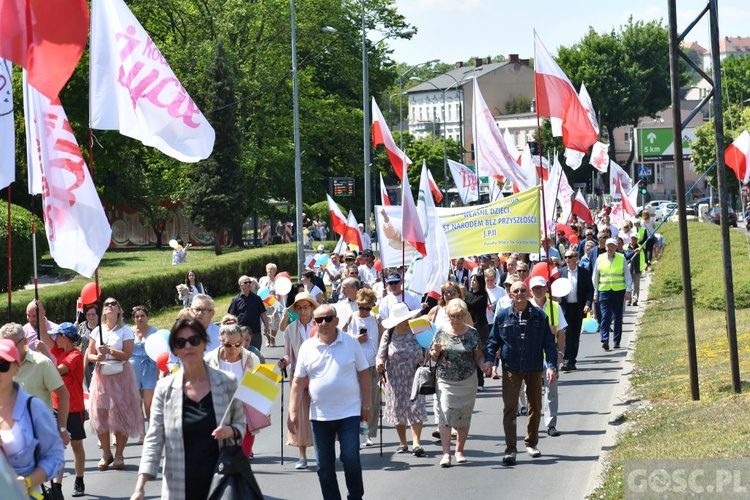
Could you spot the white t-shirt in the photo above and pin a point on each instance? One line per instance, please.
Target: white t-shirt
(333, 373)
(493, 295)
(235, 367)
(370, 348)
(368, 274)
(412, 300)
(113, 338)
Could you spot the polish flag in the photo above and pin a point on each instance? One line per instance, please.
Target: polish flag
(735, 156)
(77, 228)
(384, 199)
(557, 98)
(7, 127)
(436, 194)
(46, 38)
(411, 229)
(352, 236)
(581, 209)
(381, 135)
(627, 205)
(133, 89)
(338, 221)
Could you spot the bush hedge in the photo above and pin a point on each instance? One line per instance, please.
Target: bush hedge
(21, 252)
(157, 289)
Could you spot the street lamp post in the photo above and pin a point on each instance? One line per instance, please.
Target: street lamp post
(401, 98)
(366, 103)
(445, 138)
(457, 83)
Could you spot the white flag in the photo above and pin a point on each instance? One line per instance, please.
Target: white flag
(564, 193)
(599, 156)
(7, 129)
(77, 228)
(619, 180)
(465, 180)
(134, 90)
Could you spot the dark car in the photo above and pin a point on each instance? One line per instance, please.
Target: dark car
(715, 216)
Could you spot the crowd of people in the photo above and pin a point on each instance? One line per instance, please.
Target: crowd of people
(345, 333)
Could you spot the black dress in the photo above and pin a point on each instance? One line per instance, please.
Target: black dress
(201, 449)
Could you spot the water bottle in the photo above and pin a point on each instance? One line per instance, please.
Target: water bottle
(364, 431)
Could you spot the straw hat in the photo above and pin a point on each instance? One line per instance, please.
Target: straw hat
(399, 313)
(304, 296)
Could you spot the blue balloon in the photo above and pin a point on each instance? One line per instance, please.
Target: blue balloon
(425, 338)
(590, 325)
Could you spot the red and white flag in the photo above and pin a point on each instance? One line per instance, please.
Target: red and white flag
(133, 89)
(599, 158)
(580, 209)
(736, 155)
(491, 151)
(352, 236)
(384, 199)
(381, 135)
(618, 176)
(7, 128)
(46, 38)
(411, 229)
(565, 193)
(436, 194)
(77, 228)
(338, 221)
(557, 98)
(628, 206)
(465, 180)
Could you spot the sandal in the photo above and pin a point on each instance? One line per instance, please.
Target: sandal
(402, 449)
(118, 463)
(104, 463)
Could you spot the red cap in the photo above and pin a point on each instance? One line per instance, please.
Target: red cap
(8, 351)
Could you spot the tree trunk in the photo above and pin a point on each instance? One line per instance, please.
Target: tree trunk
(237, 236)
(217, 242)
(158, 233)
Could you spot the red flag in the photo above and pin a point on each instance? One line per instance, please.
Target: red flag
(627, 206)
(411, 229)
(736, 155)
(580, 209)
(381, 135)
(556, 98)
(45, 37)
(352, 236)
(436, 194)
(384, 199)
(338, 221)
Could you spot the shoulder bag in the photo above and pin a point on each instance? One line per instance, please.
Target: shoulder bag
(425, 379)
(233, 476)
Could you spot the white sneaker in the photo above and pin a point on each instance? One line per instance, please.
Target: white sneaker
(533, 451)
(368, 442)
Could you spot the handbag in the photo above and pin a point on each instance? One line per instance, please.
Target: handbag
(111, 367)
(233, 477)
(425, 380)
(46, 492)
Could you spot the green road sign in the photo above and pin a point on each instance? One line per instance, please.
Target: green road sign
(657, 144)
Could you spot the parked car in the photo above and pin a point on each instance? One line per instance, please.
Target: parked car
(690, 215)
(715, 216)
(664, 210)
(651, 207)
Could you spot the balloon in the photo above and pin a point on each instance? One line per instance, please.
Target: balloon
(540, 269)
(162, 361)
(590, 325)
(378, 265)
(90, 293)
(264, 292)
(283, 274)
(157, 343)
(283, 285)
(573, 239)
(173, 244)
(566, 230)
(561, 287)
(425, 338)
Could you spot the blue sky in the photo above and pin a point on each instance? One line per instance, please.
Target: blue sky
(452, 30)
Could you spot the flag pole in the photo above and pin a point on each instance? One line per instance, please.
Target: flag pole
(36, 273)
(97, 289)
(281, 419)
(10, 283)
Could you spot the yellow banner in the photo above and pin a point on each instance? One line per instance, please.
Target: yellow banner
(267, 370)
(508, 225)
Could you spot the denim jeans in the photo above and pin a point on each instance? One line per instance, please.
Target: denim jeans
(613, 307)
(324, 437)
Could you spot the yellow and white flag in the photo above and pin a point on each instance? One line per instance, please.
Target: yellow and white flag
(258, 389)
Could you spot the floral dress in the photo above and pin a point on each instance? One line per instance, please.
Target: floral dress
(402, 356)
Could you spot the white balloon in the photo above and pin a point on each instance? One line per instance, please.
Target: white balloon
(283, 285)
(157, 343)
(173, 243)
(561, 287)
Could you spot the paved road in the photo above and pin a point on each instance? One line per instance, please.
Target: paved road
(566, 469)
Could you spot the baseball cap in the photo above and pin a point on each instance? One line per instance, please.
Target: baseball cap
(367, 253)
(8, 351)
(350, 255)
(537, 281)
(611, 241)
(485, 256)
(393, 278)
(68, 329)
(321, 248)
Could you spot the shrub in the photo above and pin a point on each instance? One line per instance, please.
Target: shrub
(21, 246)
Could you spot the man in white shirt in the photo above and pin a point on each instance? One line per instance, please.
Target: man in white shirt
(339, 385)
(202, 309)
(395, 295)
(367, 271)
(348, 301)
(366, 240)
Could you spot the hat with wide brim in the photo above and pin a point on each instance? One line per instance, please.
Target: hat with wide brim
(399, 313)
(304, 296)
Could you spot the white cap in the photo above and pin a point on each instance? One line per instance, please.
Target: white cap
(537, 281)
(611, 241)
(321, 248)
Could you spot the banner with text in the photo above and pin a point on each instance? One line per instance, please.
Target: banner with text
(507, 225)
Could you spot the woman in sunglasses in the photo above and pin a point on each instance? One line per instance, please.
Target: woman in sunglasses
(364, 327)
(232, 357)
(115, 405)
(449, 291)
(26, 425)
(189, 419)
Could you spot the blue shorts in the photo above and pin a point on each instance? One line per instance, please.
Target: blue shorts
(146, 373)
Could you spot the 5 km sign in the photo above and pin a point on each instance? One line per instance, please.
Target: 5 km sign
(657, 144)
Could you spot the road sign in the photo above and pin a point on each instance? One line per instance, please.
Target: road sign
(657, 144)
(644, 171)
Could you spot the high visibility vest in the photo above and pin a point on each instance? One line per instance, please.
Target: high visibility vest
(611, 274)
(556, 322)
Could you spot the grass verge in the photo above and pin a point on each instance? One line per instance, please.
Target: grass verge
(667, 424)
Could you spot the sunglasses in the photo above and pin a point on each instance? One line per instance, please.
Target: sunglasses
(449, 292)
(327, 319)
(235, 345)
(363, 308)
(4, 366)
(110, 303)
(246, 282)
(181, 342)
(570, 256)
